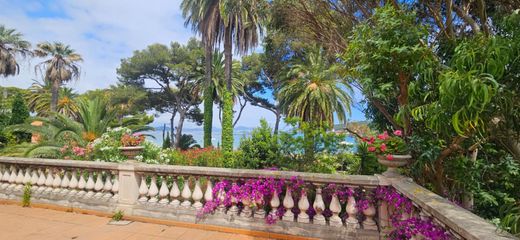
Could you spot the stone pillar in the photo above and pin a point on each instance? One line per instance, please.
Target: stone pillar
(128, 187)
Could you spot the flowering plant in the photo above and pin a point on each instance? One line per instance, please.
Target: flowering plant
(385, 144)
(132, 140)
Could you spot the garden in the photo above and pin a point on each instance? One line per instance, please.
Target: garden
(438, 80)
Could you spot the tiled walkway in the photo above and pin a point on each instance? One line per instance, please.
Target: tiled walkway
(42, 224)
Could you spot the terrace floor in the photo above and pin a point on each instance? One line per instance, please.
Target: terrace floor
(35, 223)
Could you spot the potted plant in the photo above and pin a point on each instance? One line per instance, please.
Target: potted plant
(131, 145)
(391, 151)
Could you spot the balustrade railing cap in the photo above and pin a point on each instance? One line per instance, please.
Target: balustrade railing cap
(43, 162)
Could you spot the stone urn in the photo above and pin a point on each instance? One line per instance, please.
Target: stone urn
(132, 151)
(392, 165)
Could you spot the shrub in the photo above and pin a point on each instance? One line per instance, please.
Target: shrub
(261, 149)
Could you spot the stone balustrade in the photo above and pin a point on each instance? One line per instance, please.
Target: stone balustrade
(324, 206)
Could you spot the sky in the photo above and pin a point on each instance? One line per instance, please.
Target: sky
(104, 32)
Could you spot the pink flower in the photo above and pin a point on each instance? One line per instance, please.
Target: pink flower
(390, 157)
(383, 136)
(383, 147)
(398, 132)
(372, 139)
(371, 149)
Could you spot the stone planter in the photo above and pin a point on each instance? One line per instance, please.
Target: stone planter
(131, 152)
(392, 165)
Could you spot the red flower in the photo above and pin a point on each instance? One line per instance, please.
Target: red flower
(383, 147)
(372, 140)
(390, 157)
(398, 132)
(371, 149)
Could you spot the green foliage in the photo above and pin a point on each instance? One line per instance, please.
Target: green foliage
(11, 45)
(26, 198)
(118, 215)
(187, 141)
(511, 218)
(19, 110)
(227, 123)
(167, 142)
(367, 164)
(260, 150)
(208, 114)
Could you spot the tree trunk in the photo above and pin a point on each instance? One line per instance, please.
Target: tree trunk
(277, 123)
(178, 131)
(227, 118)
(172, 131)
(54, 95)
(208, 97)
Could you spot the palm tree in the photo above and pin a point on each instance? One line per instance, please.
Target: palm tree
(242, 26)
(39, 100)
(61, 67)
(204, 18)
(11, 44)
(315, 92)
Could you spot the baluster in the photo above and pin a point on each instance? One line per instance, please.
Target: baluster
(186, 193)
(288, 204)
(383, 217)
(65, 182)
(19, 180)
(143, 190)
(352, 221)
(259, 211)
(73, 184)
(233, 210)
(319, 207)
(221, 197)
(48, 182)
(335, 208)
(370, 213)
(303, 205)
(41, 181)
(90, 185)
(197, 195)
(163, 191)
(98, 186)
(153, 190)
(246, 211)
(34, 179)
(56, 183)
(27, 176)
(275, 203)
(115, 188)
(5, 178)
(175, 192)
(108, 186)
(81, 184)
(208, 195)
(2, 168)
(12, 179)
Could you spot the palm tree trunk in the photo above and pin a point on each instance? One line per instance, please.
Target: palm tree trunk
(208, 97)
(277, 122)
(54, 95)
(227, 118)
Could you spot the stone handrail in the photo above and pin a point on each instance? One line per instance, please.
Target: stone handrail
(180, 192)
(462, 222)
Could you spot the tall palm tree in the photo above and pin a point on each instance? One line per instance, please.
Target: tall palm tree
(61, 67)
(204, 18)
(242, 26)
(315, 92)
(11, 44)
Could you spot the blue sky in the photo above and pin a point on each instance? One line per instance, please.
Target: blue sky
(104, 32)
